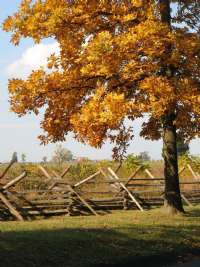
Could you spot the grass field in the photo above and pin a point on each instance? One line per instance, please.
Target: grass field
(118, 239)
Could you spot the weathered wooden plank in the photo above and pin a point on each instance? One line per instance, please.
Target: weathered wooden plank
(125, 188)
(83, 201)
(115, 185)
(191, 183)
(181, 170)
(96, 192)
(11, 208)
(133, 174)
(13, 160)
(15, 180)
(146, 185)
(55, 190)
(192, 172)
(87, 179)
(147, 179)
(149, 174)
(186, 200)
(182, 195)
(57, 176)
(79, 196)
(118, 167)
(65, 171)
(48, 176)
(47, 212)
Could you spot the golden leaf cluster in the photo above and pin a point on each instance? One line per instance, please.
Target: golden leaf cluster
(117, 61)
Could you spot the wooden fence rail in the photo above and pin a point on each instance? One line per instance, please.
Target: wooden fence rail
(96, 194)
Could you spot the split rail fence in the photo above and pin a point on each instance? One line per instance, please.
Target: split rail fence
(97, 194)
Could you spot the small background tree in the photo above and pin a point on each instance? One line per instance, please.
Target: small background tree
(62, 155)
(44, 159)
(144, 156)
(23, 158)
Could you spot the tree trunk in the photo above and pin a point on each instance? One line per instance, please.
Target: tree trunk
(173, 202)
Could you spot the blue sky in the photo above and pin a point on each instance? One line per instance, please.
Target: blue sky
(20, 134)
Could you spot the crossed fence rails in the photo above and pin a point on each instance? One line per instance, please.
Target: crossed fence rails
(59, 196)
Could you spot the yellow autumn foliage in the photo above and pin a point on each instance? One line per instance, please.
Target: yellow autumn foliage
(118, 60)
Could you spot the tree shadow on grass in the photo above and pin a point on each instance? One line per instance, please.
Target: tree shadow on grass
(116, 247)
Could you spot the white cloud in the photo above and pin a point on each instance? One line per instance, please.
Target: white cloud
(31, 59)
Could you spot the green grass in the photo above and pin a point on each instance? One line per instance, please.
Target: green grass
(96, 241)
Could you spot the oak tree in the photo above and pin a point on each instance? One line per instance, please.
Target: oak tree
(119, 60)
